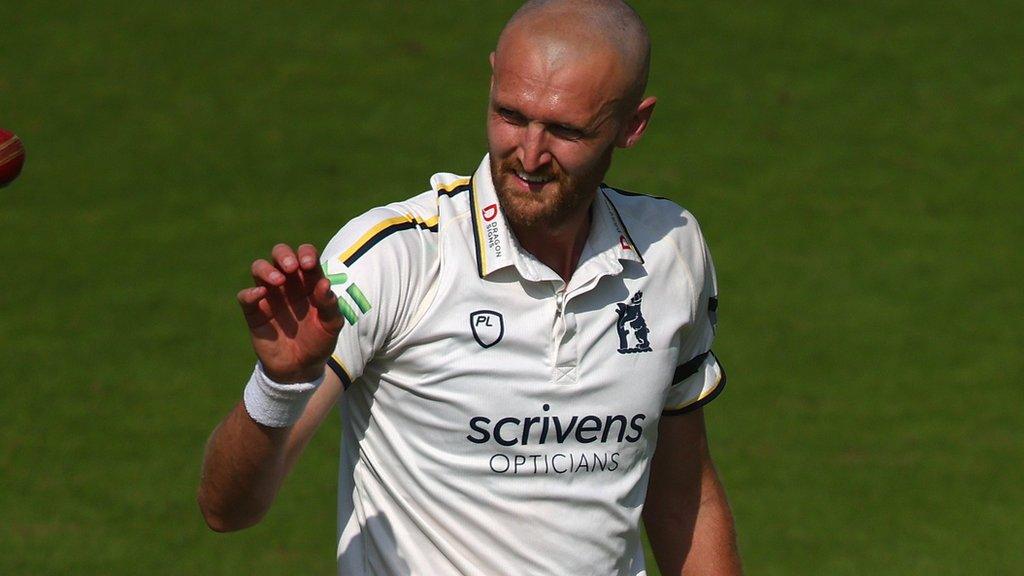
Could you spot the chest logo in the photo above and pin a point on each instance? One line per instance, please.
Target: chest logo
(632, 327)
(488, 327)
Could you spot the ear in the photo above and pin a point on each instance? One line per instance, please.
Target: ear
(637, 123)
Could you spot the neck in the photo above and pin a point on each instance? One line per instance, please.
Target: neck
(558, 247)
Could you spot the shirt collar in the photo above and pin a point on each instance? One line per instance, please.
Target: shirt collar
(614, 236)
(496, 246)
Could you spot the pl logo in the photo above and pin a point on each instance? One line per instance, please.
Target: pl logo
(488, 327)
(632, 327)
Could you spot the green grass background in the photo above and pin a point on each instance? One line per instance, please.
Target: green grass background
(856, 166)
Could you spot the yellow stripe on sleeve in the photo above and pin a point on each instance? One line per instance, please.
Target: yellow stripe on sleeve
(382, 226)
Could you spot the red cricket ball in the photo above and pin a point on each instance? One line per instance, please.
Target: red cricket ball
(12, 157)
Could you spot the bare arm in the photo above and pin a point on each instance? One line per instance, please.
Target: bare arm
(687, 515)
(246, 462)
(294, 323)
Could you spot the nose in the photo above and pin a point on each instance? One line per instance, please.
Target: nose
(533, 153)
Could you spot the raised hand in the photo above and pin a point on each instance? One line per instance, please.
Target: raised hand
(292, 314)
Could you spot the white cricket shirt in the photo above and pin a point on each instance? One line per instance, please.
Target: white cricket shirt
(495, 419)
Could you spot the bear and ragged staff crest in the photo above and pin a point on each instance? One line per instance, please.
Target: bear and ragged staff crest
(632, 328)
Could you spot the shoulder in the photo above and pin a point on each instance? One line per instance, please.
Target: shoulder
(402, 232)
(388, 258)
(673, 247)
(399, 226)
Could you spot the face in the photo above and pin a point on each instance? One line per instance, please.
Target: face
(552, 125)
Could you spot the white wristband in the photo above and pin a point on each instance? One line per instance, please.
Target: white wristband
(277, 405)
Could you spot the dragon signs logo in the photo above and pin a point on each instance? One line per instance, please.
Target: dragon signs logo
(632, 327)
(488, 327)
(491, 233)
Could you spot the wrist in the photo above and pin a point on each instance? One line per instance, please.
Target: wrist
(278, 404)
(298, 377)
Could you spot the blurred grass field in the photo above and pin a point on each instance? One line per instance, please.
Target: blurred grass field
(856, 166)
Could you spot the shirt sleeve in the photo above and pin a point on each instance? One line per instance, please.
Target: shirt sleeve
(376, 264)
(699, 377)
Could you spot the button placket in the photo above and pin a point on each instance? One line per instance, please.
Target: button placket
(564, 341)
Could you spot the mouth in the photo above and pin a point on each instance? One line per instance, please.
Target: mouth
(532, 182)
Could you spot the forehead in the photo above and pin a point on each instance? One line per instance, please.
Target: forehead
(554, 82)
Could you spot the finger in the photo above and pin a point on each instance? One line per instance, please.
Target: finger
(264, 272)
(249, 298)
(309, 265)
(309, 268)
(274, 304)
(282, 311)
(308, 258)
(326, 303)
(295, 290)
(285, 258)
(254, 306)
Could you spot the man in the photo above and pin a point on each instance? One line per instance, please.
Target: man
(502, 347)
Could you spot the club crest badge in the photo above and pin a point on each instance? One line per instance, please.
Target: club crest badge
(632, 328)
(488, 327)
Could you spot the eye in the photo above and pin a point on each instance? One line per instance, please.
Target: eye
(565, 132)
(512, 117)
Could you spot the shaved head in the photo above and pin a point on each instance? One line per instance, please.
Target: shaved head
(568, 31)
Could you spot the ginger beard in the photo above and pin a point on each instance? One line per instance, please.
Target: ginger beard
(557, 201)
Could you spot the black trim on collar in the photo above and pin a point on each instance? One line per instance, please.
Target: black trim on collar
(622, 223)
(628, 193)
(476, 229)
